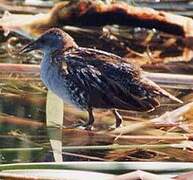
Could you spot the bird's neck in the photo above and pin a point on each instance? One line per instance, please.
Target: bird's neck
(53, 57)
(50, 65)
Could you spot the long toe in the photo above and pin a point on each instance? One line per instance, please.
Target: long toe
(82, 125)
(114, 126)
(79, 124)
(89, 127)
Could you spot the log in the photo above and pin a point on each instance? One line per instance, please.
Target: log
(157, 77)
(96, 13)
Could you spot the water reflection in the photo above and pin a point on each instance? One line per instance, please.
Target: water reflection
(23, 133)
(24, 136)
(55, 136)
(54, 117)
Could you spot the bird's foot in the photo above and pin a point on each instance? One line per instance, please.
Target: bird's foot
(86, 127)
(78, 124)
(114, 126)
(89, 127)
(82, 125)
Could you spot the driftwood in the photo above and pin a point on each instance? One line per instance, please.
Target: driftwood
(167, 118)
(177, 67)
(182, 7)
(19, 121)
(97, 13)
(162, 46)
(7, 6)
(157, 77)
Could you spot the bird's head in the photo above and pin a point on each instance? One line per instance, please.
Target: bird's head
(52, 40)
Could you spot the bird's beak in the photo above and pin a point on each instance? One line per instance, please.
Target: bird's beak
(29, 47)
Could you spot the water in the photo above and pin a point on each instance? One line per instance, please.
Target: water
(24, 136)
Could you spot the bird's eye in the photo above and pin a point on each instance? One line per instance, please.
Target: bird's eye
(43, 41)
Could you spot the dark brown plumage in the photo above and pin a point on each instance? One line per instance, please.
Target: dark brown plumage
(90, 78)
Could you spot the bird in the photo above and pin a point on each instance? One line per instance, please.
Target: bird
(93, 79)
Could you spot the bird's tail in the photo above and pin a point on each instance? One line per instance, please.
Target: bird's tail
(168, 95)
(159, 91)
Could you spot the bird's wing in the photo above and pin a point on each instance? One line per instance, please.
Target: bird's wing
(106, 90)
(125, 75)
(156, 90)
(101, 93)
(132, 81)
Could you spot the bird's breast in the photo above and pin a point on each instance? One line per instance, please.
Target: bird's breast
(59, 83)
(48, 73)
(52, 78)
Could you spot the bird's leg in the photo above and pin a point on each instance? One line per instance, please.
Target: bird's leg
(118, 118)
(88, 125)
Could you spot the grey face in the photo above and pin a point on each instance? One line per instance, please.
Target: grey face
(53, 39)
(48, 42)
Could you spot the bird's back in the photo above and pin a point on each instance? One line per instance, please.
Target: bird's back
(108, 82)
